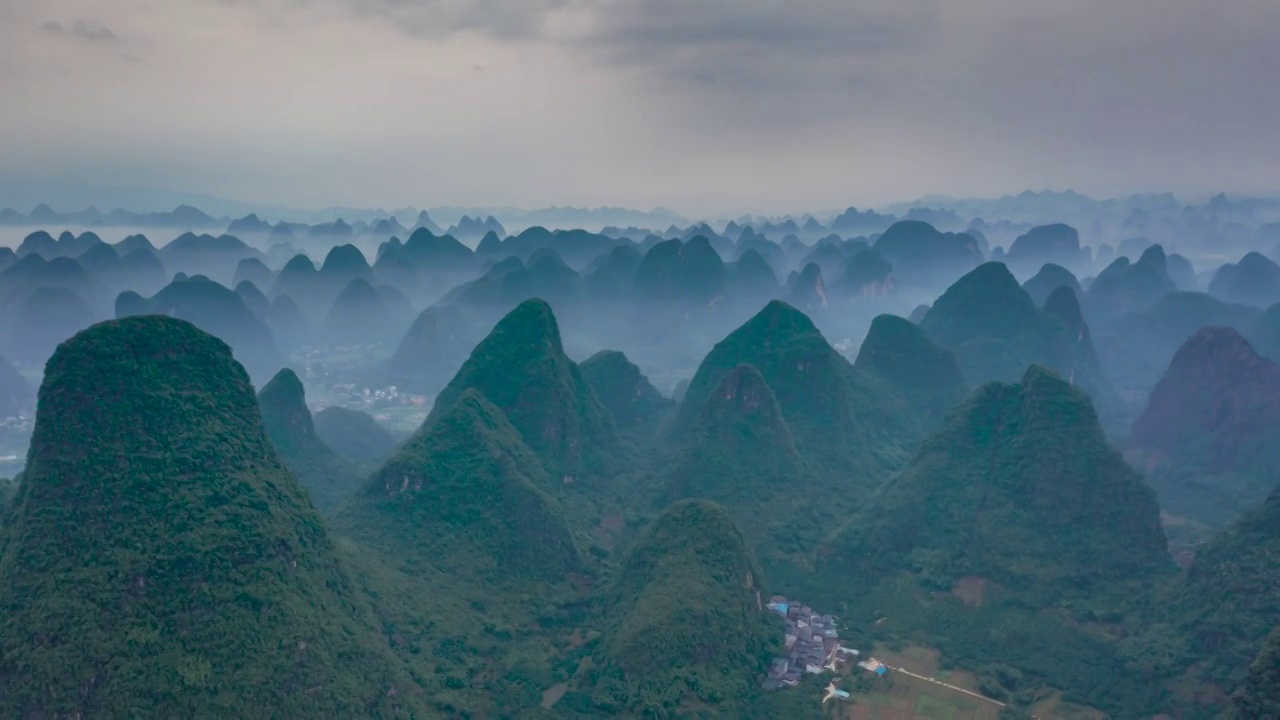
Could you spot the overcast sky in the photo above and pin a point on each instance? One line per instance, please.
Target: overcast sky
(705, 106)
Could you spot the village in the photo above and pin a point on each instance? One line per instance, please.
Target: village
(812, 643)
(317, 369)
(352, 396)
(813, 647)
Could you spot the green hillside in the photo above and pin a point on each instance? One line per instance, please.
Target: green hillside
(996, 332)
(522, 369)
(161, 561)
(465, 496)
(1259, 697)
(1014, 529)
(8, 488)
(740, 453)
(683, 621)
(898, 352)
(623, 389)
(1021, 489)
(1229, 599)
(842, 419)
(328, 478)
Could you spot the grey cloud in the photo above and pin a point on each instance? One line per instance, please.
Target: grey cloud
(636, 30)
(740, 44)
(91, 30)
(437, 19)
(752, 59)
(756, 104)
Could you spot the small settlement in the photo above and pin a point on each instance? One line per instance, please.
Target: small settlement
(812, 643)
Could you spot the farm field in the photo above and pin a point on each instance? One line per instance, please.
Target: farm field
(902, 697)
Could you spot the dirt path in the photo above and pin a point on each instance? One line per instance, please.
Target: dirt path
(946, 685)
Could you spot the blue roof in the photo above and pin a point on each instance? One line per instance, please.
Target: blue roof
(882, 670)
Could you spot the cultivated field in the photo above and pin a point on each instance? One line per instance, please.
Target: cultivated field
(902, 697)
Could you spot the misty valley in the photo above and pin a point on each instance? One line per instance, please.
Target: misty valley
(973, 460)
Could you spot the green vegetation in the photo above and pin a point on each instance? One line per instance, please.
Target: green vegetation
(467, 497)
(1063, 305)
(216, 310)
(1226, 603)
(996, 332)
(1021, 489)
(1259, 697)
(8, 488)
(623, 389)
(683, 622)
(1055, 242)
(328, 478)
(898, 352)
(522, 369)
(470, 564)
(160, 561)
(564, 529)
(842, 419)
(1136, 349)
(1015, 528)
(752, 276)
(740, 453)
(354, 435)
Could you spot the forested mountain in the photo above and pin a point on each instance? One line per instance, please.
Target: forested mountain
(1020, 489)
(371, 441)
(1259, 697)
(682, 623)
(996, 332)
(160, 559)
(522, 369)
(899, 353)
(839, 415)
(1228, 600)
(467, 497)
(623, 389)
(329, 479)
(477, 525)
(741, 453)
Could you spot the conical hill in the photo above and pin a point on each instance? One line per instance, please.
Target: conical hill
(684, 618)
(740, 453)
(467, 496)
(1019, 488)
(328, 478)
(521, 368)
(160, 560)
